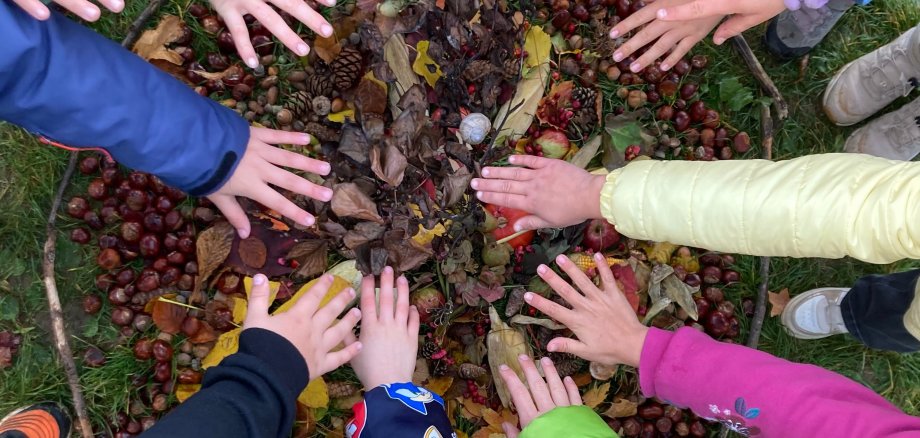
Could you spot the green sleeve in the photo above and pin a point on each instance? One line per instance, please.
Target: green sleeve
(569, 421)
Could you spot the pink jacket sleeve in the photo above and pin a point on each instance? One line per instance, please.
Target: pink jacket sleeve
(760, 395)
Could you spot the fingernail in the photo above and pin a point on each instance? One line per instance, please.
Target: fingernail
(517, 228)
(306, 138)
(302, 49)
(662, 13)
(351, 292)
(513, 159)
(117, 4)
(528, 296)
(329, 277)
(598, 256)
(388, 270)
(309, 221)
(546, 362)
(635, 67)
(328, 193)
(718, 40)
(486, 172)
(618, 56)
(326, 30)
(569, 379)
(244, 233)
(479, 195)
(325, 168)
(252, 62)
(356, 311)
(561, 259)
(614, 33)
(402, 279)
(523, 358)
(92, 12)
(503, 367)
(551, 347)
(541, 269)
(475, 183)
(665, 67)
(259, 279)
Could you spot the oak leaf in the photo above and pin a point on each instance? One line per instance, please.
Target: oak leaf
(778, 301)
(621, 408)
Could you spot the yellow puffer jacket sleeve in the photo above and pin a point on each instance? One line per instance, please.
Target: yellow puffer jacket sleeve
(829, 206)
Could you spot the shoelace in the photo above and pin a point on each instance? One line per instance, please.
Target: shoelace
(878, 78)
(904, 138)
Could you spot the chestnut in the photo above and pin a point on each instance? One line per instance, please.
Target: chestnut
(204, 214)
(163, 204)
(673, 413)
(191, 267)
(160, 264)
(162, 372)
(148, 283)
(162, 351)
(228, 283)
(170, 276)
(80, 235)
(665, 112)
(136, 200)
(149, 245)
(225, 42)
(632, 427)
(726, 153)
(682, 429)
(131, 232)
(716, 324)
(104, 282)
(77, 207)
(143, 349)
(138, 180)
(109, 214)
(711, 274)
(664, 425)
(97, 190)
(142, 322)
(697, 430)
(186, 245)
(176, 258)
(711, 119)
(197, 10)
(681, 121)
(699, 61)
(133, 427)
(734, 328)
(693, 280)
(160, 403)
(191, 326)
(648, 430)
(710, 259)
(748, 307)
(742, 142)
(122, 316)
(186, 282)
(263, 44)
(118, 297)
(89, 165)
(682, 67)
(111, 177)
(667, 88)
(702, 307)
(93, 220)
(714, 295)
(687, 91)
(147, 423)
(730, 276)
(727, 308)
(153, 222)
(189, 376)
(92, 304)
(173, 220)
(651, 411)
(170, 242)
(698, 112)
(108, 259)
(125, 276)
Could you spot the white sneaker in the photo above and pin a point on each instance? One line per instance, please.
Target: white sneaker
(895, 135)
(815, 314)
(868, 84)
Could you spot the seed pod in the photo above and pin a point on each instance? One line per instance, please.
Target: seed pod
(470, 371)
(341, 389)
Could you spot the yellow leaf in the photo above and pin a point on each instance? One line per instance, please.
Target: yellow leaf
(184, 391)
(505, 344)
(439, 385)
(596, 395)
(530, 89)
(338, 285)
(537, 44)
(342, 116)
(239, 310)
(227, 344)
(424, 66)
(621, 408)
(349, 271)
(315, 395)
(471, 409)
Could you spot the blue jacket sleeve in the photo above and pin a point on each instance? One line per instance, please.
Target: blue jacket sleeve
(250, 394)
(63, 81)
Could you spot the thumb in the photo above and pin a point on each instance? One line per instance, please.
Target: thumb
(567, 345)
(734, 26)
(693, 10)
(510, 430)
(259, 300)
(532, 222)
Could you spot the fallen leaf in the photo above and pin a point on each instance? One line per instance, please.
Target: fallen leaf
(626, 280)
(596, 395)
(601, 371)
(276, 224)
(396, 54)
(621, 408)
(349, 201)
(339, 284)
(205, 334)
(327, 48)
(584, 155)
(239, 309)
(310, 256)
(315, 395)
(253, 252)
(168, 317)
(505, 344)
(515, 302)
(421, 373)
(439, 385)
(227, 344)
(424, 66)
(212, 247)
(516, 115)
(388, 163)
(403, 253)
(778, 301)
(185, 390)
(529, 320)
(152, 43)
(455, 185)
(371, 95)
(660, 252)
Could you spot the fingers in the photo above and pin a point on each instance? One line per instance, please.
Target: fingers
(564, 289)
(550, 308)
(572, 389)
(536, 384)
(518, 202)
(568, 345)
(531, 161)
(633, 21)
(276, 25)
(259, 299)
(368, 300)
(82, 8)
(693, 10)
(603, 269)
(386, 294)
(277, 136)
(294, 160)
(501, 186)
(510, 430)
(402, 300)
(339, 333)
(335, 359)
(306, 15)
(678, 52)
(233, 213)
(327, 314)
(509, 173)
(34, 8)
(296, 184)
(556, 388)
(531, 222)
(734, 26)
(578, 277)
(240, 33)
(648, 34)
(665, 42)
(310, 300)
(519, 395)
(268, 197)
(414, 321)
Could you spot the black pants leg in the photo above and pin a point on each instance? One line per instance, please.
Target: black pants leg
(874, 309)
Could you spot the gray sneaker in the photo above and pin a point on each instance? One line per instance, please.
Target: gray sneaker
(895, 135)
(815, 314)
(794, 33)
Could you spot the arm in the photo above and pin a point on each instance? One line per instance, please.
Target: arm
(399, 409)
(251, 393)
(755, 390)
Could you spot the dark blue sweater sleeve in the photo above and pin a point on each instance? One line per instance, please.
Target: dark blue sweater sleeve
(252, 393)
(63, 81)
(399, 410)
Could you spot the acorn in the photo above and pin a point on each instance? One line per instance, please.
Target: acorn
(108, 259)
(92, 304)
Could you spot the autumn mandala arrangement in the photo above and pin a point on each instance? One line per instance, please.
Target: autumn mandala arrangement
(408, 101)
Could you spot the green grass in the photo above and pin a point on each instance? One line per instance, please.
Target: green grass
(29, 173)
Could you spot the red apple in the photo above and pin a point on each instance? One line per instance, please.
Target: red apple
(600, 235)
(507, 217)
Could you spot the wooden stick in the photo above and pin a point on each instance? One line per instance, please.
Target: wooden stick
(58, 331)
(779, 104)
(760, 309)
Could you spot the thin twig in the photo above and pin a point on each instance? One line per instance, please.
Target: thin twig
(779, 104)
(760, 309)
(59, 332)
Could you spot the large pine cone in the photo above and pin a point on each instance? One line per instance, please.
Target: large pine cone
(346, 68)
(299, 103)
(319, 85)
(476, 70)
(512, 68)
(321, 132)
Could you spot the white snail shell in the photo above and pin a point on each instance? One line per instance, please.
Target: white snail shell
(474, 128)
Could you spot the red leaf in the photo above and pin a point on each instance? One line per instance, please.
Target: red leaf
(626, 279)
(168, 317)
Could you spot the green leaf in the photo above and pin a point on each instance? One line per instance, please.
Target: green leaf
(734, 95)
(9, 308)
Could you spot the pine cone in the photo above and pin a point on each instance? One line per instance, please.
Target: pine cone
(299, 103)
(566, 364)
(585, 96)
(341, 389)
(512, 68)
(321, 132)
(440, 369)
(582, 122)
(477, 70)
(470, 371)
(346, 68)
(319, 85)
(430, 348)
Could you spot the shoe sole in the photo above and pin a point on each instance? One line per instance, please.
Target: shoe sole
(780, 50)
(788, 321)
(827, 92)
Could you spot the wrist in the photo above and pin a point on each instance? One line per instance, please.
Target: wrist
(635, 350)
(592, 200)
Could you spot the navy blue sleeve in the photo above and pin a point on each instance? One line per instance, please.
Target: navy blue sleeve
(399, 410)
(64, 81)
(252, 393)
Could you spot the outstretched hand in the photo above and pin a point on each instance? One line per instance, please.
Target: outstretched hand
(261, 166)
(539, 396)
(390, 334)
(555, 192)
(82, 8)
(232, 11)
(607, 329)
(306, 325)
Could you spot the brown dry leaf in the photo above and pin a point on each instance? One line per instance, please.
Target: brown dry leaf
(311, 255)
(621, 408)
(582, 379)
(454, 186)
(471, 409)
(778, 301)
(253, 252)
(505, 344)
(328, 48)
(403, 253)
(168, 317)
(596, 395)
(213, 247)
(388, 163)
(529, 320)
(371, 95)
(152, 44)
(396, 54)
(421, 373)
(176, 71)
(362, 233)
(349, 201)
(205, 334)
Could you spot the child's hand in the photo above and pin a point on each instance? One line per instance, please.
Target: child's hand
(260, 167)
(389, 335)
(232, 12)
(607, 329)
(307, 326)
(542, 397)
(745, 14)
(556, 192)
(82, 8)
(678, 37)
